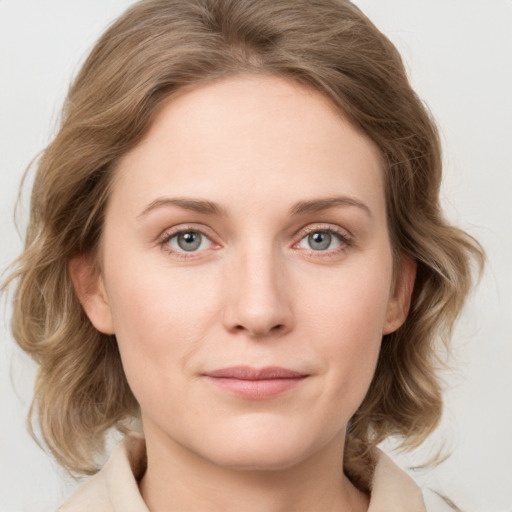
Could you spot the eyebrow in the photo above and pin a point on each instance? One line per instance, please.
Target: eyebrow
(210, 208)
(195, 205)
(317, 205)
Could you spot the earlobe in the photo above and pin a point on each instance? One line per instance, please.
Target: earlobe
(400, 299)
(90, 290)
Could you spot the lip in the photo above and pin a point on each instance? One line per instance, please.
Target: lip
(255, 383)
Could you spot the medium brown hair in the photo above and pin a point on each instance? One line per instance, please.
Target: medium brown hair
(154, 50)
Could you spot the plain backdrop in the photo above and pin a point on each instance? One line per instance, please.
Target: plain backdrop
(459, 56)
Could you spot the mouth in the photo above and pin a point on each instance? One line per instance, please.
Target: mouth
(255, 383)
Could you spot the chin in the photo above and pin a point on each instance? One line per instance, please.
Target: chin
(258, 458)
(263, 449)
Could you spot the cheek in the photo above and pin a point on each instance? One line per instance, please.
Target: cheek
(346, 321)
(351, 301)
(151, 301)
(160, 321)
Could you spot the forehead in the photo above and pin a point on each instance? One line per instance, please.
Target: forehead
(254, 135)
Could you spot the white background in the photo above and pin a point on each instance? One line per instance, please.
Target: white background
(459, 56)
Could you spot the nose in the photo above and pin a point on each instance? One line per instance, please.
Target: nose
(259, 295)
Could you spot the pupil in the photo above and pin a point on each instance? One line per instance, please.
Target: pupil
(319, 241)
(189, 241)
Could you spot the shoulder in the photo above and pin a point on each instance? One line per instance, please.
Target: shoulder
(115, 487)
(393, 487)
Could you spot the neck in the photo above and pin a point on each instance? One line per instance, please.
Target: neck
(178, 479)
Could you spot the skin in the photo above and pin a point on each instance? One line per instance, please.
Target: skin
(271, 156)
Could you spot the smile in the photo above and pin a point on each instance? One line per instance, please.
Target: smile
(254, 383)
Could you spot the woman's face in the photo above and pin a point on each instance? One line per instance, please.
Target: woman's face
(247, 273)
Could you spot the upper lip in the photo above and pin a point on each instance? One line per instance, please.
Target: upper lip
(250, 373)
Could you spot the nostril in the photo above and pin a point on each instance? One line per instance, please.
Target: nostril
(260, 332)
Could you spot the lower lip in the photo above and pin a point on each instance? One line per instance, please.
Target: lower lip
(256, 389)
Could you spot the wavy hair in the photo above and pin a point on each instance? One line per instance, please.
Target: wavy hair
(155, 50)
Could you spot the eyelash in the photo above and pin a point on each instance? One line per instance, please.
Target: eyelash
(169, 235)
(344, 238)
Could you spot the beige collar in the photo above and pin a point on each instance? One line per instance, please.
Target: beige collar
(115, 487)
(393, 490)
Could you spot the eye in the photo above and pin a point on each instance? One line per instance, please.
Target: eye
(322, 240)
(188, 241)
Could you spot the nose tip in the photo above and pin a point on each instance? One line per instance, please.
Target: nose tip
(259, 304)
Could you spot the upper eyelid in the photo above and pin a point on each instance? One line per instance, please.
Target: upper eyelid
(311, 228)
(183, 228)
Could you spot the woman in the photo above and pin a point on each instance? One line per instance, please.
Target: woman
(236, 236)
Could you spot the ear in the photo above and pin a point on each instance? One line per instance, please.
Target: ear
(400, 298)
(89, 287)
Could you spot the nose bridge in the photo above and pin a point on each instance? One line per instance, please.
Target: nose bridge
(258, 302)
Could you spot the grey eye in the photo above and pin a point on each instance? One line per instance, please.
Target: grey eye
(322, 240)
(319, 240)
(187, 240)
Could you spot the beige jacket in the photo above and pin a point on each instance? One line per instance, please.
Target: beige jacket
(115, 488)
